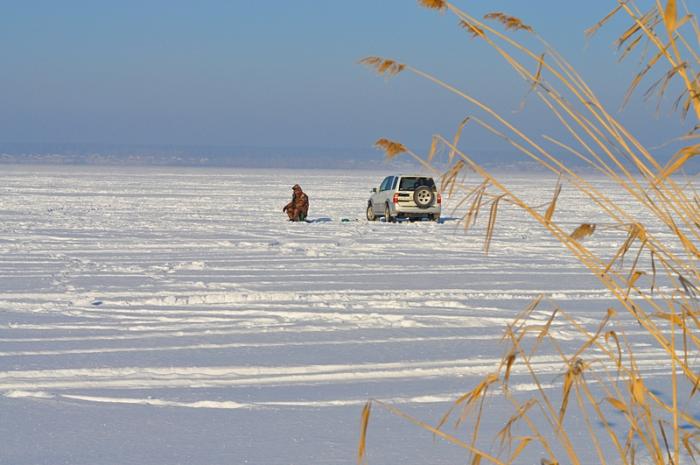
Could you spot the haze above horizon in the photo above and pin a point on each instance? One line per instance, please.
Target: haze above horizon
(278, 73)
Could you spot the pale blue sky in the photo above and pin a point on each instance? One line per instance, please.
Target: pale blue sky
(271, 73)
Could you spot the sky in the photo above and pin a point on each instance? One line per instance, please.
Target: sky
(278, 73)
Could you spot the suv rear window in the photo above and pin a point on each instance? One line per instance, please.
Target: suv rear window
(412, 183)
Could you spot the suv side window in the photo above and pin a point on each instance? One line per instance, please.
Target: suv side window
(393, 184)
(385, 184)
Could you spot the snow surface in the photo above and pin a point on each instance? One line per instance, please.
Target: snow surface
(173, 316)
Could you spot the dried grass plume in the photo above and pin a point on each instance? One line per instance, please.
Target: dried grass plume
(390, 148)
(383, 66)
(475, 31)
(583, 231)
(433, 4)
(510, 22)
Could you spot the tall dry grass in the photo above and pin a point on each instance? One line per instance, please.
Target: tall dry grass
(652, 271)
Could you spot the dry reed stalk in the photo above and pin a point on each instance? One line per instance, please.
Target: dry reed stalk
(362, 446)
(492, 222)
(596, 196)
(613, 281)
(590, 100)
(633, 389)
(673, 56)
(685, 242)
(471, 216)
(475, 31)
(667, 312)
(613, 398)
(593, 29)
(437, 432)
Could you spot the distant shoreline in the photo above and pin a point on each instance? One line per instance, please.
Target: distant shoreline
(73, 154)
(374, 171)
(278, 158)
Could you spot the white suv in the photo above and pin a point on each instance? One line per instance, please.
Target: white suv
(405, 196)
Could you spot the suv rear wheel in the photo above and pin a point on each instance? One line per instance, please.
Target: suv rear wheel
(387, 214)
(370, 213)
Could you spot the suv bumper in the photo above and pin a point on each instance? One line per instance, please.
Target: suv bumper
(414, 212)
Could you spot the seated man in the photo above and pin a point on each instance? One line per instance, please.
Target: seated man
(298, 208)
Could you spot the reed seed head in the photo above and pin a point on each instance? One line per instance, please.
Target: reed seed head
(583, 231)
(510, 22)
(433, 4)
(391, 148)
(475, 31)
(383, 66)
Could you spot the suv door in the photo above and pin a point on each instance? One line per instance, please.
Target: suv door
(379, 199)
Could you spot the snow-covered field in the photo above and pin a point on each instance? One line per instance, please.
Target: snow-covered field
(172, 316)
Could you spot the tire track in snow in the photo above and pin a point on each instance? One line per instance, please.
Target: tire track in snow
(101, 271)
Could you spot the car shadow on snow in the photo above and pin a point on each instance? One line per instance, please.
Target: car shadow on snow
(328, 219)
